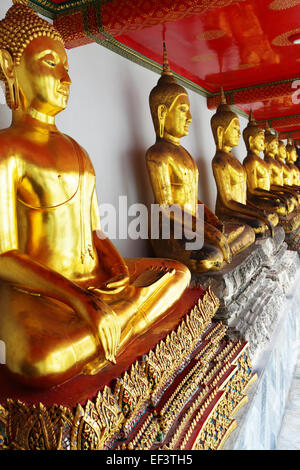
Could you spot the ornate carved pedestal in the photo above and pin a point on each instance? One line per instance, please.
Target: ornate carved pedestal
(176, 388)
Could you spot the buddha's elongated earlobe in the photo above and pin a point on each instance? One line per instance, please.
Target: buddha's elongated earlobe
(251, 140)
(220, 135)
(14, 94)
(161, 129)
(8, 70)
(162, 112)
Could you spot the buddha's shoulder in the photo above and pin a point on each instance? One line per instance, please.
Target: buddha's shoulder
(78, 147)
(222, 158)
(163, 152)
(252, 159)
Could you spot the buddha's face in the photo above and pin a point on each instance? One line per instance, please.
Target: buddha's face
(178, 118)
(282, 152)
(232, 134)
(43, 76)
(272, 148)
(257, 143)
(292, 156)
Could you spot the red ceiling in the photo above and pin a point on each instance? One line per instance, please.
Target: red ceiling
(243, 34)
(235, 46)
(241, 44)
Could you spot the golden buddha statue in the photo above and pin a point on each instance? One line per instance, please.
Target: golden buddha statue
(231, 177)
(291, 158)
(69, 302)
(258, 177)
(174, 179)
(276, 169)
(281, 158)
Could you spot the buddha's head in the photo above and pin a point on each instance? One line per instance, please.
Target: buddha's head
(225, 126)
(291, 152)
(282, 154)
(33, 62)
(169, 105)
(254, 136)
(271, 142)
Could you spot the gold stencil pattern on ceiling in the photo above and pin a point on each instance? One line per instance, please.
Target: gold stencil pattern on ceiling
(203, 58)
(283, 4)
(243, 67)
(211, 35)
(283, 39)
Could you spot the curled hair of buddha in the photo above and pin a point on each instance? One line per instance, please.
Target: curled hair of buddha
(223, 117)
(252, 130)
(20, 26)
(165, 92)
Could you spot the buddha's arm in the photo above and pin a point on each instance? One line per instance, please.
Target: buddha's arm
(160, 180)
(271, 195)
(284, 189)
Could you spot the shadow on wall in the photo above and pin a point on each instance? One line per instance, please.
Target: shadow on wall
(136, 180)
(204, 181)
(205, 151)
(134, 162)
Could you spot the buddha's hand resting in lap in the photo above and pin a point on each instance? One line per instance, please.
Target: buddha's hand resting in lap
(105, 324)
(118, 281)
(113, 286)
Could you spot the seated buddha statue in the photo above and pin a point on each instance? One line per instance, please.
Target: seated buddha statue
(276, 169)
(258, 177)
(69, 302)
(231, 176)
(174, 178)
(291, 158)
(281, 158)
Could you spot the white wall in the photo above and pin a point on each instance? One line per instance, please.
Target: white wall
(108, 114)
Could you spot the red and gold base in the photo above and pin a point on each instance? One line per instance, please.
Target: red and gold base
(177, 388)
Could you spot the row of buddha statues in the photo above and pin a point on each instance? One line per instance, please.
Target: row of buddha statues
(69, 302)
(253, 197)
